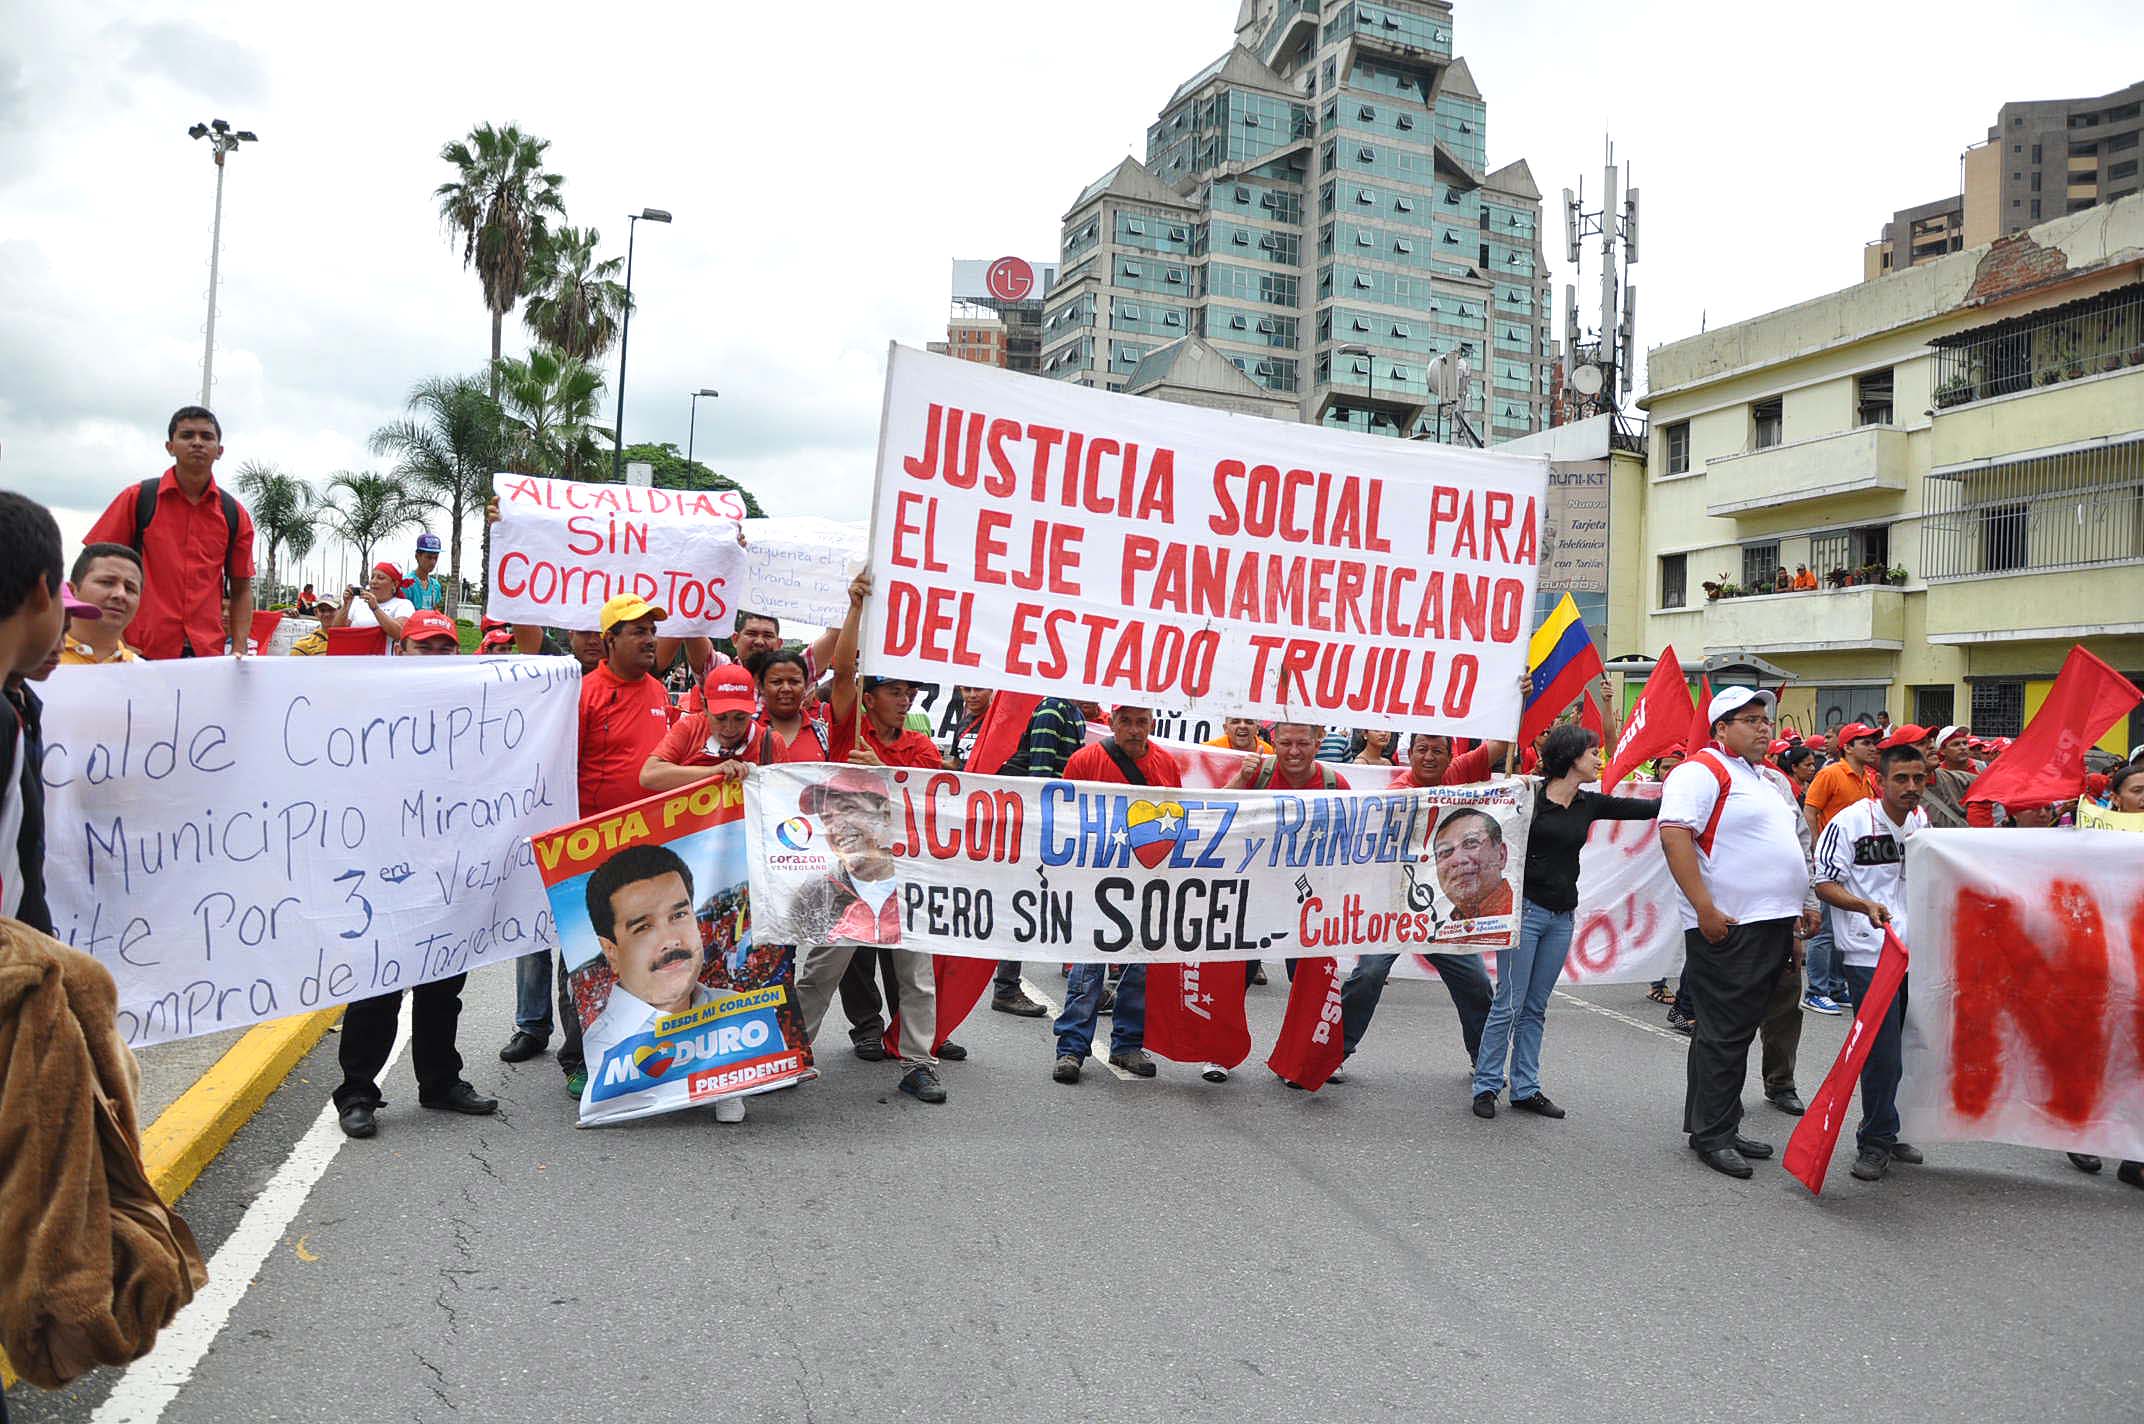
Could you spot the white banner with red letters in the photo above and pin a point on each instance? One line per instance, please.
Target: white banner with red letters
(2025, 989)
(1046, 537)
(562, 548)
(1000, 867)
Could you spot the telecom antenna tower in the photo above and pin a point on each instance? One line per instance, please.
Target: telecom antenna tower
(1597, 372)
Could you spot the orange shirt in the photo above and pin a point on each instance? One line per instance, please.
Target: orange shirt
(1836, 787)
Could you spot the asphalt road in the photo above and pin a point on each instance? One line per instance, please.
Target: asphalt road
(1131, 1251)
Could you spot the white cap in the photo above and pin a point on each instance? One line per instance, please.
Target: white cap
(1728, 700)
(1946, 733)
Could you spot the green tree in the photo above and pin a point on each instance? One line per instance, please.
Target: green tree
(499, 203)
(671, 472)
(445, 453)
(364, 509)
(551, 402)
(575, 302)
(285, 512)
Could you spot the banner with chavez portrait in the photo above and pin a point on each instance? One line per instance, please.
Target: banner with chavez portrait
(680, 1004)
(1044, 537)
(999, 867)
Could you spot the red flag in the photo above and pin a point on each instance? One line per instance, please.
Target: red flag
(959, 982)
(1194, 1012)
(1310, 1045)
(1700, 733)
(1657, 724)
(2046, 763)
(1808, 1154)
(1589, 717)
(998, 735)
(356, 642)
(265, 622)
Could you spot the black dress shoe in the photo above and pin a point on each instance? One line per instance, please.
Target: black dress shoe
(1538, 1104)
(1485, 1105)
(1789, 1102)
(952, 1052)
(2130, 1174)
(1727, 1160)
(871, 1051)
(1751, 1148)
(357, 1120)
(523, 1046)
(2084, 1161)
(462, 1098)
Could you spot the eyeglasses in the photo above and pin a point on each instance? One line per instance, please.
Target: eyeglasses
(1760, 720)
(1473, 845)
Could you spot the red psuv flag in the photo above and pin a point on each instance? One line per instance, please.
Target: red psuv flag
(1808, 1154)
(2046, 763)
(998, 736)
(1658, 722)
(1194, 1012)
(1700, 734)
(1311, 1044)
(959, 983)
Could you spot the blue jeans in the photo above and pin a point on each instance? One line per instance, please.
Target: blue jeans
(1525, 977)
(1083, 1002)
(1822, 963)
(532, 993)
(1465, 979)
(1879, 1076)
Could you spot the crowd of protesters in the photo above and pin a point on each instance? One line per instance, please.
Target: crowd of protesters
(1784, 850)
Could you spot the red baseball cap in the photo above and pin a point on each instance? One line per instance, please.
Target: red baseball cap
(423, 627)
(1854, 732)
(729, 689)
(1906, 736)
(1781, 745)
(1816, 743)
(502, 637)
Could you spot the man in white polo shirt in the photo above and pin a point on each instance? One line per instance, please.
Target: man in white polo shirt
(1861, 872)
(1731, 845)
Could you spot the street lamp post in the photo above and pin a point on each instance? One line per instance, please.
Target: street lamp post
(625, 335)
(222, 140)
(1370, 360)
(692, 423)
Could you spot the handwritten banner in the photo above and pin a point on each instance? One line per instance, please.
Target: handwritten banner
(678, 1006)
(237, 841)
(1049, 538)
(562, 548)
(2024, 1012)
(996, 867)
(798, 567)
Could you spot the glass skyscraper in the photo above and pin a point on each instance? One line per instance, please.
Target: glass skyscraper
(1315, 204)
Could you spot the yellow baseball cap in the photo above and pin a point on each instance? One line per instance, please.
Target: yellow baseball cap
(627, 608)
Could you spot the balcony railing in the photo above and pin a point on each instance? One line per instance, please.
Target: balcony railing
(2065, 343)
(2065, 510)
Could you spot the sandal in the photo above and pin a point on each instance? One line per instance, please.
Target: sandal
(1659, 994)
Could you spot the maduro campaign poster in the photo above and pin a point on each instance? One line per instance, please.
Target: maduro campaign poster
(1044, 537)
(2024, 1012)
(562, 548)
(679, 1004)
(996, 867)
(241, 840)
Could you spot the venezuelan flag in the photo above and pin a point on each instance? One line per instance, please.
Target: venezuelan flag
(1561, 661)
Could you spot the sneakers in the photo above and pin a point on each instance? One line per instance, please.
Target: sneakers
(921, 1083)
(953, 1052)
(1214, 1073)
(576, 1083)
(1871, 1164)
(729, 1110)
(1907, 1153)
(1824, 1004)
(1538, 1104)
(1067, 1070)
(1135, 1062)
(871, 1050)
(1018, 1004)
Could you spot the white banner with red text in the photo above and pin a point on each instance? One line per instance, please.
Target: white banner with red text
(562, 548)
(1046, 537)
(1001, 867)
(237, 840)
(2025, 989)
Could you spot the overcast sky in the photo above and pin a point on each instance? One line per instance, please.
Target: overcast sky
(825, 161)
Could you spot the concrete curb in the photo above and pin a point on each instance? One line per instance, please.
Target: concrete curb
(186, 1136)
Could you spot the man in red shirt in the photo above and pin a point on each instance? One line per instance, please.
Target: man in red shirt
(1428, 755)
(866, 729)
(1294, 765)
(624, 710)
(196, 547)
(1127, 757)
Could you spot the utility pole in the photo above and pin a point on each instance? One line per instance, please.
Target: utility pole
(222, 140)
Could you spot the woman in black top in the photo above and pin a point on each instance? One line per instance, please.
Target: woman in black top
(1525, 976)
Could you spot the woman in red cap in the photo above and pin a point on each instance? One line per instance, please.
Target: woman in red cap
(719, 742)
(376, 605)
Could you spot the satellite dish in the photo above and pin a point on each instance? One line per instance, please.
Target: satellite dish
(1586, 380)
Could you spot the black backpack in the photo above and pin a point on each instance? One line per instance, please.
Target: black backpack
(145, 510)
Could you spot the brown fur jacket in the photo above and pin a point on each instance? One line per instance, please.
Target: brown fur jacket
(94, 1263)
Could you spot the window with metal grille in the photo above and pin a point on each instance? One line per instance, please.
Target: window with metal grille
(1872, 397)
(2065, 343)
(1678, 442)
(1674, 570)
(1849, 549)
(1760, 565)
(1933, 706)
(1998, 707)
(2078, 507)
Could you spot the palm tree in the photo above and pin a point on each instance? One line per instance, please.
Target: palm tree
(498, 203)
(575, 302)
(445, 456)
(550, 403)
(284, 510)
(376, 507)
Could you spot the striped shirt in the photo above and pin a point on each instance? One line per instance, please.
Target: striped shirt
(1054, 732)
